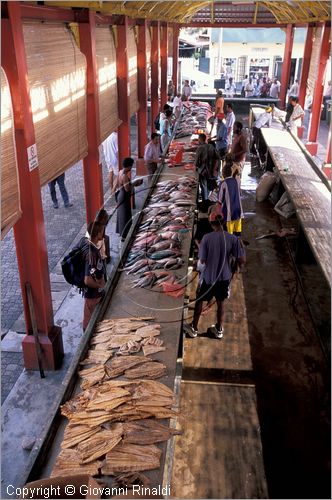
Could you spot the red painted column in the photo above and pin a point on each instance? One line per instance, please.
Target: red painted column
(327, 164)
(142, 88)
(176, 56)
(286, 64)
(317, 97)
(163, 62)
(154, 72)
(305, 64)
(123, 96)
(94, 197)
(328, 150)
(29, 231)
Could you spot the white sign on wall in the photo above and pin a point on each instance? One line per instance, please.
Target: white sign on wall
(32, 157)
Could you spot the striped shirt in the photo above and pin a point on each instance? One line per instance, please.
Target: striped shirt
(230, 199)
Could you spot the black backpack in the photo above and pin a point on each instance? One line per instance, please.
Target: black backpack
(157, 122)
(73, 264)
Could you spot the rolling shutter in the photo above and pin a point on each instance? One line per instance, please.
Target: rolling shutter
(57, 79)
(132, 70)
(107, 90)
(10, 194)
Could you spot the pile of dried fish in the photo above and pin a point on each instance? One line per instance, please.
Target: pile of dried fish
(115, 420)
(121, 337)
(127, 457)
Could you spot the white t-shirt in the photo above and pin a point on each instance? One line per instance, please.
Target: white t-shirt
(294, 90)
(177, 103)
(110, 150)
(274, 90)
(230, 89)
(186, 90)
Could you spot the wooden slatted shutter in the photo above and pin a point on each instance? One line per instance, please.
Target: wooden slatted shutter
(132, 70)
(170, 42)
(107, 85)
(148, 48)
(314, 61)
(57, 79)
(10, 194)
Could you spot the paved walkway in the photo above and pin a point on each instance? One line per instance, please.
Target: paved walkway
(63, 227)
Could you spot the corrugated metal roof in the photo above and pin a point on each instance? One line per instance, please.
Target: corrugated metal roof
(210, 11)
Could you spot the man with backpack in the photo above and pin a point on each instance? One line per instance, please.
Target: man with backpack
(94, 273)
(85, 268)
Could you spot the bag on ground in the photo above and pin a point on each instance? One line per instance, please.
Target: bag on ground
(285, 207)
(265, 186)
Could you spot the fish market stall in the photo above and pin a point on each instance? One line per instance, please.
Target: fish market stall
(115, 426)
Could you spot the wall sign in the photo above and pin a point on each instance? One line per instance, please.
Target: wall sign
(32, 157)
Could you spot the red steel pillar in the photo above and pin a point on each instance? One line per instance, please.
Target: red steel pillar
(93, 185)
(317, 98)
(328, 150)
(163, 62)
(142, 88)
(286, 64)
(123, 96)
(176, 56)
(305, 64)
(154, 72)
(29, 230)
(327, 164)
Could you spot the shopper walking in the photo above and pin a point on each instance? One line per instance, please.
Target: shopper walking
(249, 88)
(95, 272)
(110, 150)
(239, 148)
(170, 90)
(229, 198)
(230, 120)
(230, 88)
(215, 252)
(123, 198)
(275, 89)
(152, 154)
(295, 119)
(186, 91)
(60, 180)
(166, 129)
(205, 162)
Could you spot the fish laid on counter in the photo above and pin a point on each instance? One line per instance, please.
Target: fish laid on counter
(74, 434)
(149, 330)
(152, 349)
(150, 370)
(131, 347)
(128, 479)
(119, 365)
(127, 457)
(95, 357)
(147, 432)
(99, 444)
(67, 464)
(92, 375)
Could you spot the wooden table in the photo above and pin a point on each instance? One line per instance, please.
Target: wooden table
(310, 196)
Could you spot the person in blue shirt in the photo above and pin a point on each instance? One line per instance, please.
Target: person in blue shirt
(215, 253)
(221, 139)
